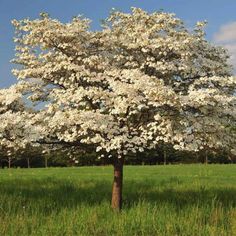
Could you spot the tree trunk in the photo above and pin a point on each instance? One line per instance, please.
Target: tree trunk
(9, 163)
(46, 161)
(165, 157)
(206, 157)
(116, 202)
(28, 162)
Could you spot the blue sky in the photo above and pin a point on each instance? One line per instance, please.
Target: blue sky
(220, 14)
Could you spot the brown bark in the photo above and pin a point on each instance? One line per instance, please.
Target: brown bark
(9, 163)
(116, 202)
(206, 157)
(46, 161)
(165, 157)
(28, 162)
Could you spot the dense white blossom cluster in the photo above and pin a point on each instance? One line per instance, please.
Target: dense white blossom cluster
(16, 127)
(142, 80)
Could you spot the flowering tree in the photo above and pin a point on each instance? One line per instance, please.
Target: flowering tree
(17, 129)
(11, 112)
(142, 80)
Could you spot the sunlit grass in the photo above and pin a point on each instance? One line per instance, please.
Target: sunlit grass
(158, 200)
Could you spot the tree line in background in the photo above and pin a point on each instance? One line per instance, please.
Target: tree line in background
(162, 156)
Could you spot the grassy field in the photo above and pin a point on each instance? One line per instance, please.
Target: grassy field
(158, 200)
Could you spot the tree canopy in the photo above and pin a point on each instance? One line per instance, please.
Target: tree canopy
(141, 80)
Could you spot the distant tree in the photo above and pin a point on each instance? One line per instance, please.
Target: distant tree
(8, 158)
(29, 153)
(142, 80)
(16, 129)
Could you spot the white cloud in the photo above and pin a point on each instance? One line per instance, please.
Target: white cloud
(227, 33)
(226, 36)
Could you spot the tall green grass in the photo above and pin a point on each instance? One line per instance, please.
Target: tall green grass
(158, 200)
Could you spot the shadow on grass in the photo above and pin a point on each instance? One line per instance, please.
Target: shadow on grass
(52, 195)
(179, 198)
